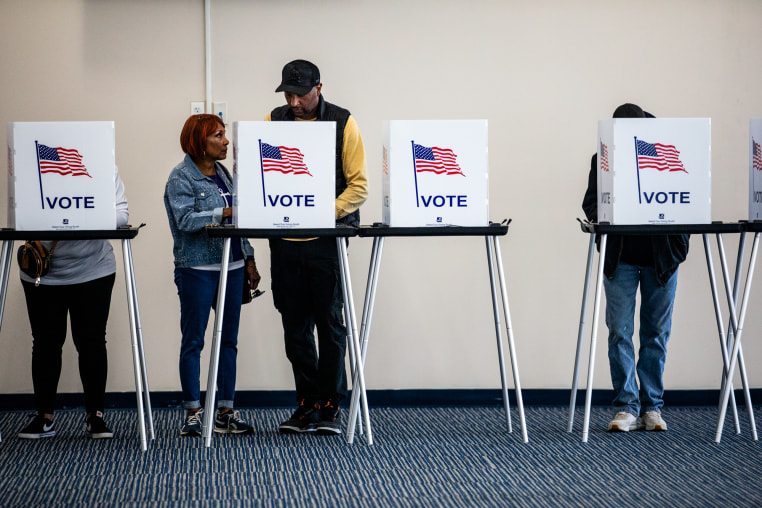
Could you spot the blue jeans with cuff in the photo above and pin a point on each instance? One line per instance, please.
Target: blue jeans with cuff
(655, 325)
(197, 290)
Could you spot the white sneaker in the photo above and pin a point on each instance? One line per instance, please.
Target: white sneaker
(623, 422)
(652, 420)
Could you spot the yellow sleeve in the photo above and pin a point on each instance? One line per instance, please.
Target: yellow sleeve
(268, 118)
(355, 171)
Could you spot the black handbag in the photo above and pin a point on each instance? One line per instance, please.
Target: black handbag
(34, 259)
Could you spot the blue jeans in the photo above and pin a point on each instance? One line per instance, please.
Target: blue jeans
(197, 290)
(655, 325)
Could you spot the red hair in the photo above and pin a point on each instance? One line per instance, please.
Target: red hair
(195, 131)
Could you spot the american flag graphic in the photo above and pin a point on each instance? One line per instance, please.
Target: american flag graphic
(283, 159)
(604, 158)
(436, 160)
(60, 160)
(658, 156)
(756, 155)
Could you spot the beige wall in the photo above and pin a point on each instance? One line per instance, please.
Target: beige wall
(542, 72)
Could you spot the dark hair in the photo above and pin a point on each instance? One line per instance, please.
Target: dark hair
(628, 110)
(195, 131)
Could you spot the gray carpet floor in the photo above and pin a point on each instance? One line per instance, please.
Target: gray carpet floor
(428, 456)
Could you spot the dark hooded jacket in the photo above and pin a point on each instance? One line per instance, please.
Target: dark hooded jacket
(668, 250)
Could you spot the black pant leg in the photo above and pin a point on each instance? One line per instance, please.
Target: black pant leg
(47, 307)
(89, 309)
(290, 290)
(327, 302)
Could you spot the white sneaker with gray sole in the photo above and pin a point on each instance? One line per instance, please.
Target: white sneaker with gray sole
(652, 420)
(623, 422)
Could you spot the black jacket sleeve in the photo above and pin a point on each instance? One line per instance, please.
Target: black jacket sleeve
(590, 201)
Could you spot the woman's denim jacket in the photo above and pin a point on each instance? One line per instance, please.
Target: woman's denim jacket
(193, 201)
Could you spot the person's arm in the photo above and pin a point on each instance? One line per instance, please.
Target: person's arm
(122, 211)
(252, 274)
(590, 201)
(222, 172)
(355, 171)
(182, 203)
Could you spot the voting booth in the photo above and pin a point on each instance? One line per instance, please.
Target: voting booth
(755, 169)
(61, 176)
(435, 173)
(654, 171)
(284, 174)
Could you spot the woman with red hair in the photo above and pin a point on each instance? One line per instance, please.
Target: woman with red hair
(198, 194)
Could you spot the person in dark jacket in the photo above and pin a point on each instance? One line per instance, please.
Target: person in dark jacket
(650, 262)
(306, 281)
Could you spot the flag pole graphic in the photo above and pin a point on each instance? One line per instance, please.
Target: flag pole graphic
(637, 167)
(415, 176)
(39, 172)
(262, 169)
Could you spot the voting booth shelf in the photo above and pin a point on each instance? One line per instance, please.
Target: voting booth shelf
(340, 234)
(654, 171)
(435, 173)
(61, 176)
(125, 235)
(284, 174)
(500, 309)
(730, 343)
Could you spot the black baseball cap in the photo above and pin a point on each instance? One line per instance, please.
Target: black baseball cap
(299, 77)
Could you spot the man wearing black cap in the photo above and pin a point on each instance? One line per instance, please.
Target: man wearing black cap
(306, 281)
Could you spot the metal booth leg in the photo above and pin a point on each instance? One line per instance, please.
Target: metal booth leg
(718, 316)
(735, 355)
(214, 360)
(594, 339)
(355, 419)
(136, 356)
(731, 332)
(5, 274)
(581, 332)
(494, 246)
(358, 377)
(139, 329)
(741, 364)
(731, 335)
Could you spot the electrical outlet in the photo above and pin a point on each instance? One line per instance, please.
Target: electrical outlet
(197, 108)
